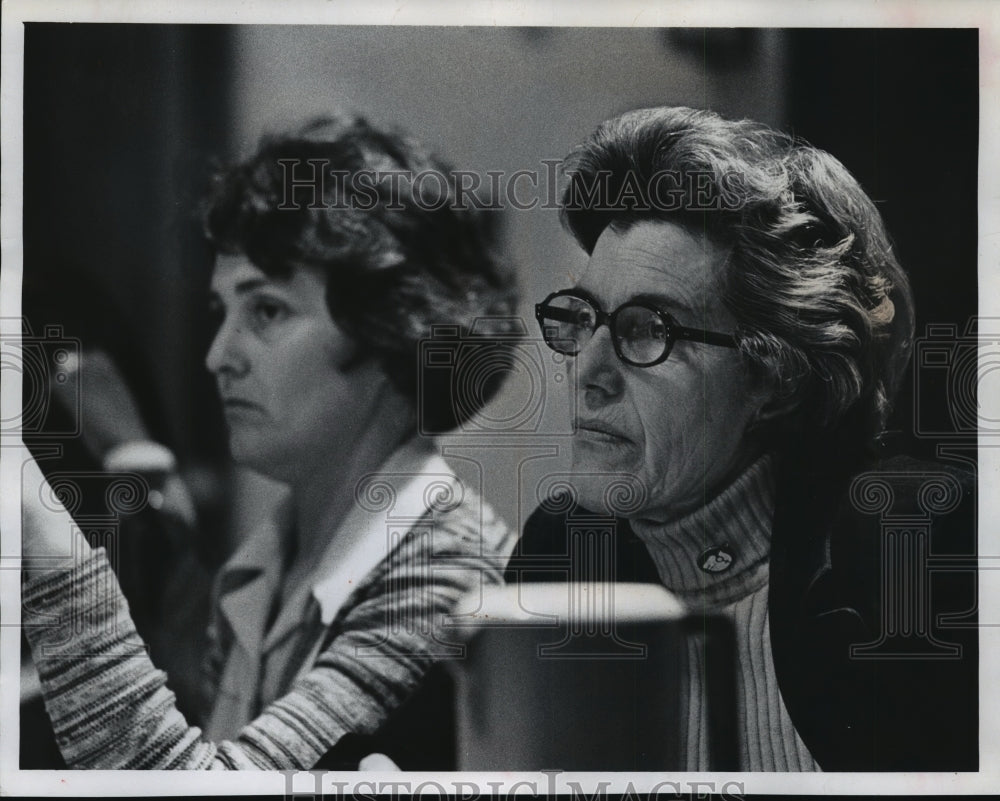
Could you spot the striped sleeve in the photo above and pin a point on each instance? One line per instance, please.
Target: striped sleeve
(110, 706)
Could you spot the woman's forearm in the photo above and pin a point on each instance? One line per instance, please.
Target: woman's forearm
(110, 707)
(50, 539)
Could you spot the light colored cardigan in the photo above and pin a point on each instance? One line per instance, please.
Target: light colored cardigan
(110, 707)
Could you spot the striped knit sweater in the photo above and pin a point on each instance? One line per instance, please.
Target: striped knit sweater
(739, 521)
(110, 706)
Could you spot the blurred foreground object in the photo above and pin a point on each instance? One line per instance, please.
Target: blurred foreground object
(589, 676)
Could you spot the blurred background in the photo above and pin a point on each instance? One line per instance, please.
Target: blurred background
(123, 124)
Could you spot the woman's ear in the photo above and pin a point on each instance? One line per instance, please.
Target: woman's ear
(779, 401)
(354, 358)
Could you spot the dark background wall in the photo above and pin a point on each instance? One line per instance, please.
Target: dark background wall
(121, 124)
(900, 108)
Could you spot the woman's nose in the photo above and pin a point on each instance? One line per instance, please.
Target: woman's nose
(598, 368)
(226, 354)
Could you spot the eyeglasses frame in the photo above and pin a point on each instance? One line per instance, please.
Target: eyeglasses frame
(675, 330)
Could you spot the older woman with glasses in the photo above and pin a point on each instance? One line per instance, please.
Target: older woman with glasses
(737, 336)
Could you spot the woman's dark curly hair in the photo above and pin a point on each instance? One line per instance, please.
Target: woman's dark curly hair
(824, 310)
(378, 215)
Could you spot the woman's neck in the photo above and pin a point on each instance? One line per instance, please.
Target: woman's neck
(718, 553)
(325, 491)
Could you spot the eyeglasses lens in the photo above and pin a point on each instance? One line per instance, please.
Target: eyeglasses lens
(641, 334)
(571, 320)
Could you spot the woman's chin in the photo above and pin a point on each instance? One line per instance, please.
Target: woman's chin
(250, 456)
(589, 456)
(619, 493)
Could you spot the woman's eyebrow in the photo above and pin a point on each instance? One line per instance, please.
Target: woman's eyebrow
(241, 288)
(658, 299)
(249, 285)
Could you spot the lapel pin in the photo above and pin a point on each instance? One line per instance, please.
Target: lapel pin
(717, 560)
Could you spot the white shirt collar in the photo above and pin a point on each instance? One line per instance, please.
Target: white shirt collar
(394, 497)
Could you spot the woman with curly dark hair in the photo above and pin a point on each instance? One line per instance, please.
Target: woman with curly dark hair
(334, 259)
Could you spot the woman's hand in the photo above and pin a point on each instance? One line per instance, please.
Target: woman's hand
(378, 762)
(50, 538)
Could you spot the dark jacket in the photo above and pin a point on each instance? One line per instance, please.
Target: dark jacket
(872, 607)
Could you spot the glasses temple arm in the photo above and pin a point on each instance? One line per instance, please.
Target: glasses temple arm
(701, 335)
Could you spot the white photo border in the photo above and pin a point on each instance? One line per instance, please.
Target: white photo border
(983, 15)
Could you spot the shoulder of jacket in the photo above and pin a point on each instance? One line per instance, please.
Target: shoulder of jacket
(467, 522)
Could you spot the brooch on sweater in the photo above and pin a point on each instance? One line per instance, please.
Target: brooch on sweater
(717, 560)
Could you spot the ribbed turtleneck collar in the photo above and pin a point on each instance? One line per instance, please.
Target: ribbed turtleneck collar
(690, 552)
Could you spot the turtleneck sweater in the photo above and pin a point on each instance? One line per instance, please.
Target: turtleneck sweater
(715, 560)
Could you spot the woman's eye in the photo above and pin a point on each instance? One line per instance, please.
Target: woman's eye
(636, 330)
(655, 330)
(644, 330)
(266, 312)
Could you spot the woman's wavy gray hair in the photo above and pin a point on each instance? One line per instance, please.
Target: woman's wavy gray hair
(824, 310)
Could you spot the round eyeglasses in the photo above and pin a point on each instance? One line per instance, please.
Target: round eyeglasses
(642, 333)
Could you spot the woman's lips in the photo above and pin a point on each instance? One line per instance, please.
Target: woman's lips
(600, 432)
(239, 406)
